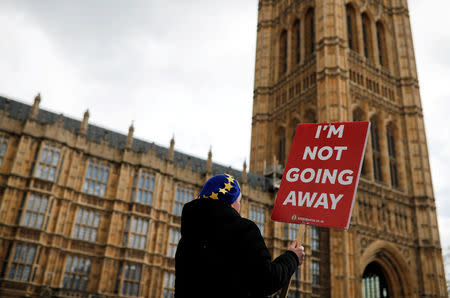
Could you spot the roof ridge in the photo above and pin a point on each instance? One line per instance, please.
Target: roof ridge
(20, 111)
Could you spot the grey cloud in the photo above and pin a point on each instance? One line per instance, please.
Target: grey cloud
(120, 40)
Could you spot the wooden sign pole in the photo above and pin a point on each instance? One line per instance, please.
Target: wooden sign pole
(284, 291)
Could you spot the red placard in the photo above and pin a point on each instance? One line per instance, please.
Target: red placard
(321, 175)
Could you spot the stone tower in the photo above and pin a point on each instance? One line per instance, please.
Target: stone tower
(340, 60)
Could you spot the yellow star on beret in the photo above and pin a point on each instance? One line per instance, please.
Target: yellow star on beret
(228, 186)
(229, 178)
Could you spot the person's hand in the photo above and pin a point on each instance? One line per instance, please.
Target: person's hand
(298, 250)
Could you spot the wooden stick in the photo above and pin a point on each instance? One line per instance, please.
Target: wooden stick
(285, 289)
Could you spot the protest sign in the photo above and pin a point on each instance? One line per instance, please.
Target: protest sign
(321, 175)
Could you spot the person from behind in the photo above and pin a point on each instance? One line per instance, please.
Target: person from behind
(221, 254)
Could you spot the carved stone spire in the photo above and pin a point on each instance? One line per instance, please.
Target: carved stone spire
(171, 149)
(35, 108)
(130, 137)
(209, 161)
(84, 123)
(60, 121)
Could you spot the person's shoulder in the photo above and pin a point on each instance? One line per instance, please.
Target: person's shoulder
(248, 225)
(250, 234)
(196, 205)
(209, 209)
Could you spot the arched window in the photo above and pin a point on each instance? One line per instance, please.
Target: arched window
(283, 52)
(294, 124)
(367, 36)
(296, 42)
(310, 116)
(376, 155)
(392, 155)
(381, 40)
(281, 150)
(352, 34)
(358, 115)
(374, 283)
(309, 32)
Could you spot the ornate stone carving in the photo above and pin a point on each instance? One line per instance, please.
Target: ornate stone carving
(406, 254)
(365, 242)
(46, 292)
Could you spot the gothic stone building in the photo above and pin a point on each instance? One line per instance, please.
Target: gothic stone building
(352, 60)
(89, 212)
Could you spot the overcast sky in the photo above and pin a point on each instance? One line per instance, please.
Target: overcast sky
(184, 68)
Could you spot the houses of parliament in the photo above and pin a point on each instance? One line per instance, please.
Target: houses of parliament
(87, 212)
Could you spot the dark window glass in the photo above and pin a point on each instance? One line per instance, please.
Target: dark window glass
(351, 28)
(283, 52)
(309, 32)
(22, 262)
(376, 154)
(392, 156)
(296, 41)
(367, 36)
(281, 149)
(3, 144)
(381, 42)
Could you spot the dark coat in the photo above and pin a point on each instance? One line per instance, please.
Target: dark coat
(221, 254)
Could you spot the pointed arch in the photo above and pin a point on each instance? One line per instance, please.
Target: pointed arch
(358, 114)
(391, 143)
(283, 53)
(382, 45)
(367, 36)
(376, 152)
(310, 116)
(309, 32)
(295, 45)
(281, 145)
(293, 125)
(295, 120)
(352, 32)
(393, 266)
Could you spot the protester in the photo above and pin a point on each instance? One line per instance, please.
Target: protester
(221, 254)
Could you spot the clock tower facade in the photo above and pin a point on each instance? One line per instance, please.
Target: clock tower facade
(337, 60)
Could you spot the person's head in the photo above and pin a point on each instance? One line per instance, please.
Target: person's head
(223, 187)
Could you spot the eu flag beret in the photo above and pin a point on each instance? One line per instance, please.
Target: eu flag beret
(221, 187)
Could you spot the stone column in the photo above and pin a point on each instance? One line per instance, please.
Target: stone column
(264, 71)
(368, 160)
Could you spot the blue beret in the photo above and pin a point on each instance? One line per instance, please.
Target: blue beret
(221, 187)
